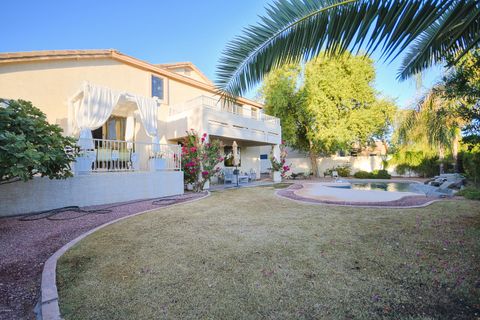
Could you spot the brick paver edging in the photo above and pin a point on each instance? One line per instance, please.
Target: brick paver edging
(402, 203)
(49, 293)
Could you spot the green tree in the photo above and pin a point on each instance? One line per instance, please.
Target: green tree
(283, 99)
(330, 106)
(471, 158)
(433, 127)
(297, 30)
(30, 146)
(462, 84)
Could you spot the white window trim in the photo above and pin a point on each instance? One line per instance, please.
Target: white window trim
(165, 89)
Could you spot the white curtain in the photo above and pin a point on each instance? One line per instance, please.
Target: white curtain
(130, 131)
(92, 112)
(148, 114)
(96, 106)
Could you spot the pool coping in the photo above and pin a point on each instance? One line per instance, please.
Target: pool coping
(49, 306)
(289, 193)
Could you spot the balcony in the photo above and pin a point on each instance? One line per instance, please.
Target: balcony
(232, 121)
(123, 156)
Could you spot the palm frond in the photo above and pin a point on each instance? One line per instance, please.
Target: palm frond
(295, 30)
(454, 33)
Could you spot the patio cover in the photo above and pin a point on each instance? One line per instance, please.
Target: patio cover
(93, 105)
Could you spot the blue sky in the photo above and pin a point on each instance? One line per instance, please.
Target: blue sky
(156, 31)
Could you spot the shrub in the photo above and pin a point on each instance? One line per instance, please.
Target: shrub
(470, 193)
(343, 171)
(363, 175)
(376, 174)
(199, 159)
(471, 163)
(280, 165)
(29, 145)
(423, 164)
(381, 174)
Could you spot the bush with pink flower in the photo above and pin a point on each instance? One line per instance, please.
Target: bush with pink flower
(200, 159)
(280, 165)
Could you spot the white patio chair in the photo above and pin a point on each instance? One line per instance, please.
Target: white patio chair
(228, 176)
(252, 175)
(335, 175)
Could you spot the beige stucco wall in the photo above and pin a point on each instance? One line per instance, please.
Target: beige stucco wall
(222, 124)
(50, 84)
(187, 72)
(85, 190)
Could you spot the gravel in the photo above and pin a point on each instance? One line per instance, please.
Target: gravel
(26, 245)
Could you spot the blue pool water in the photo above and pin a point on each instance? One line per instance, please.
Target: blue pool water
(419, 188)
(385, 186)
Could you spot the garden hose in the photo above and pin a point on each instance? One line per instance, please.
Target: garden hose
(52, 214)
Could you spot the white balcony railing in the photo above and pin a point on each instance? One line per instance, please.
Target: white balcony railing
(118, 155)
(217, 105)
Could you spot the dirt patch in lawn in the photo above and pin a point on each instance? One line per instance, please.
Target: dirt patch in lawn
(246, 253)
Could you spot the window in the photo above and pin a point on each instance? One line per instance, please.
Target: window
(158, 87)
(238, 109)
(113, 129)
(254, 113)
(231, 107)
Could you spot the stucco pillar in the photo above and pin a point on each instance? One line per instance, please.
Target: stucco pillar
(277, 176)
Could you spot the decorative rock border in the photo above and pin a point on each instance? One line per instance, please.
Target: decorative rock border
(49, 306)
(405, 202)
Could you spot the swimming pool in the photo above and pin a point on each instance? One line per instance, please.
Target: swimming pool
(383, 186)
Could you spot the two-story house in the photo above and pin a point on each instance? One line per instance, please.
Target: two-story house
(129, 116)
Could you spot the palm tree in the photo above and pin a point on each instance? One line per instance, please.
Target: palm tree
(434, 124)
(296, 30)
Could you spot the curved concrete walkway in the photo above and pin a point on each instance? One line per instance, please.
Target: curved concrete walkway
(50, 309)
(26, 245)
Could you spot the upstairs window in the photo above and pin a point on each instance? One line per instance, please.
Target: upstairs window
(158, 87)
(254, 113)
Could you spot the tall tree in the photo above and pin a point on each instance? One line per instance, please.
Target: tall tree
(462, 83)
(434, 124)
(328, 106)
(296, 30)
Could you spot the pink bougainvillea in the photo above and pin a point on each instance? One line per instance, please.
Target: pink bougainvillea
(279, 165)
(199, 159)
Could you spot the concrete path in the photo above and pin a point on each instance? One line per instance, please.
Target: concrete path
(26, 245)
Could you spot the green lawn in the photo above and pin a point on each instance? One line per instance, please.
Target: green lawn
(247, 254)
